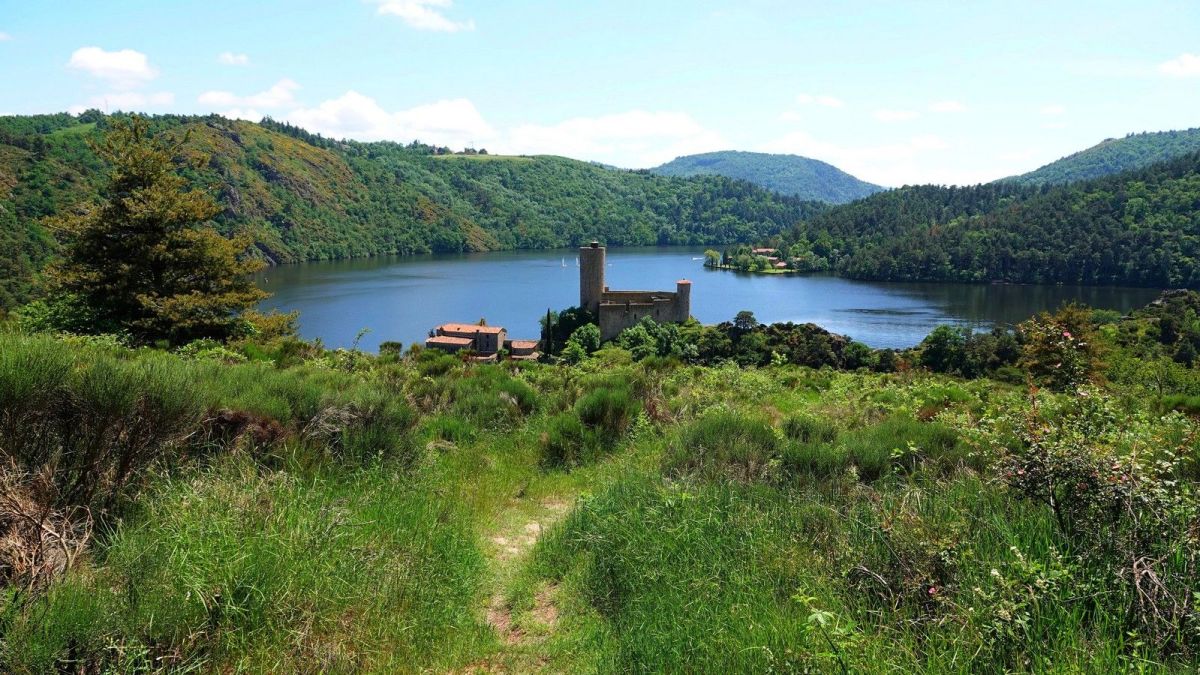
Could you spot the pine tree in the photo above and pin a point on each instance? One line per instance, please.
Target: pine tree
(145, 260)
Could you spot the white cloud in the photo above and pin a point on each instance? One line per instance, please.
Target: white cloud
(123, 69)
(947, 107)
(279, 95)
(887, 164)
(127, 101)
(1185, 65)
(454, 122)
(425, 15)
(231, 59)
(821, 100)
(1054, 109)
(888, 115)
(634, 139)
(4, 37)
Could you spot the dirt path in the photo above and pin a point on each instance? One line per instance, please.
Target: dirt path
(509, 545)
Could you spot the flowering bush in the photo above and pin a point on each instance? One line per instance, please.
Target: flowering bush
(1059, 350)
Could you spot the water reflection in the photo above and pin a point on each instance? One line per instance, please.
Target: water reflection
(401, 298)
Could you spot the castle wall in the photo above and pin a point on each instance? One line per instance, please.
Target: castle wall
(617, 316)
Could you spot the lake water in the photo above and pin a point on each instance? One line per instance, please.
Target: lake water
(402, 298)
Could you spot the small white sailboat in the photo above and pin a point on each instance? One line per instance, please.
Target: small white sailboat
(564, 262)
(577, 261)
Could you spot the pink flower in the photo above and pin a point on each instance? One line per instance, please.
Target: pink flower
(1066, 334)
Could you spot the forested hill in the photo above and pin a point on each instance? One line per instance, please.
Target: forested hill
(1137, 228)
(304, 197)
(786, 174)
(1114, 155)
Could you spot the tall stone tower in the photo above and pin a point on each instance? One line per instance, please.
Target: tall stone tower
(591, 276)
(683, 300)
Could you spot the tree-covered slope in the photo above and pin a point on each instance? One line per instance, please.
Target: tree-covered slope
(1114, 155)
(786, 174)
(1137, 228)
(304, 197)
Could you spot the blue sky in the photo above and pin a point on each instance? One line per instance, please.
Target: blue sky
(894, 92)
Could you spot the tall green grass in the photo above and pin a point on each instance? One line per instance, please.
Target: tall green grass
(268, 572)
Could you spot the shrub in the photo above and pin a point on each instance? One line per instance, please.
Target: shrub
(566, 442)
(1060, 349)
(727, 445)
(609, 411)
(97, 425)
(490, 398)
(898, 442)
(451, 428)
(809, 429)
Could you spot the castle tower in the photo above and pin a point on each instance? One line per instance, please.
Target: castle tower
(683, 300)
(591, 276)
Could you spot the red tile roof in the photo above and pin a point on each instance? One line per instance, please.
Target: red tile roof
(450, 341)
(469, 328)
(524, 344)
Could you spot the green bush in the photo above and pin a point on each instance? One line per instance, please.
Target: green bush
(609, 411)
(896, 443)
(809, 429)
(491, 398)
(566, 442)
(902, 442)
(727, 445)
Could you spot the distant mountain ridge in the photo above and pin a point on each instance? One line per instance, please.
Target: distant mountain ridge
(1113, 156)
(792, 175)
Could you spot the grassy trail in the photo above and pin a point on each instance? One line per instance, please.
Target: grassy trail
(513, 501)
(521, 631)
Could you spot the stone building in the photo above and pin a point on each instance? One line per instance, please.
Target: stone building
(617, 310)
(485, 341)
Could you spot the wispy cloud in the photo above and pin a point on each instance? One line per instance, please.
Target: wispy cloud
(123, 69)
(632, 139)
(889, 115)
(425, 15)
(894, 163)
(127, 101)
(1184, 65)
(947, 107)
(821, 100)
(279, 95)
(452, 122)
(4, 37)
(232, 59)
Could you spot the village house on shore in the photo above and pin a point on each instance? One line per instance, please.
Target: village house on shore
(484, 342)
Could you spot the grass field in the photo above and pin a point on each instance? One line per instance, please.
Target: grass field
(363, 514)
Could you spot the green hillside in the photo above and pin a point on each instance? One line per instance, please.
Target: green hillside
(1139, 228)
(786, 174)
(1114, 155)
(304, 197)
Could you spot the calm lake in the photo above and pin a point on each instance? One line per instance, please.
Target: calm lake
(401, 298)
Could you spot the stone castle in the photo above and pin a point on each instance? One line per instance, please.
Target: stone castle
(617, 310)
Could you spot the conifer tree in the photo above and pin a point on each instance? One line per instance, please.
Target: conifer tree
(145, 260)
